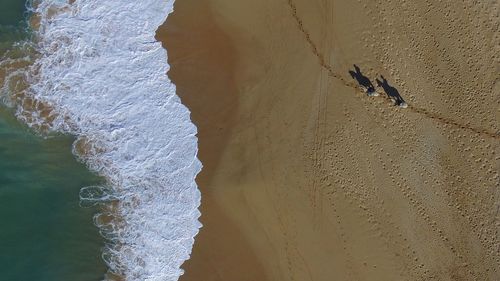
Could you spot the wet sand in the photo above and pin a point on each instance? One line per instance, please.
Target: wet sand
(306, 177)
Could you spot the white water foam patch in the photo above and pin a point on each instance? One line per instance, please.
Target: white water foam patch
(101, 69)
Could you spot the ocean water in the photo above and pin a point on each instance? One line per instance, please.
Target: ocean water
(96, 72)
(44, 234)
(11, 22)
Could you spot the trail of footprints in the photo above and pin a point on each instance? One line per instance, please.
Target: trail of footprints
(418, 110)
(475, 218)
(402, 183)
(477, 90)
(475, 215)
(353, 187)
(476, 94)
(321, 171)
(363, 195)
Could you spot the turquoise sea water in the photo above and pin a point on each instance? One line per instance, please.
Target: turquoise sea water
(44, 234)
(11, 21)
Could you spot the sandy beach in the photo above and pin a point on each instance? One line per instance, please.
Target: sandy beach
(308, 178)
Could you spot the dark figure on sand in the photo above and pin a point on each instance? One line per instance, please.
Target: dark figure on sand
(391, 92)
(363, 81)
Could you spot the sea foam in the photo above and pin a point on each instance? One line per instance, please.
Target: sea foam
(100, 75)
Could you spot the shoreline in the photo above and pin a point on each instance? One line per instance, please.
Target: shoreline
(219, 234)
(305, 178)
(152, 186)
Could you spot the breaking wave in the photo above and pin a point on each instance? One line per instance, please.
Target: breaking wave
(97, 72)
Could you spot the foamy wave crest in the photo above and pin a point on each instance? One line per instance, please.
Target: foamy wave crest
(103, 75)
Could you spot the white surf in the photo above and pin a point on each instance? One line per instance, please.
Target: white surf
(99, 74)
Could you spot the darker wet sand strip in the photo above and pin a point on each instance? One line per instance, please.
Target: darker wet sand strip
(307, 178)
(202, 61)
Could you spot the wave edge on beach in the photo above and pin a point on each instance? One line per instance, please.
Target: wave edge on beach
(95, 70)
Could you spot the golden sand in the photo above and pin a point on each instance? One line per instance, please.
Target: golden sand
(306, 177)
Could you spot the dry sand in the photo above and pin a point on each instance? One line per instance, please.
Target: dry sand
(307, 178)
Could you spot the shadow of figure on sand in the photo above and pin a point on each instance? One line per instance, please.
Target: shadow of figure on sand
(391, 92)
(363, 81)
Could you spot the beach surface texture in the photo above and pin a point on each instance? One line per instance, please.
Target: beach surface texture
(306, 177)
(340, 139)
